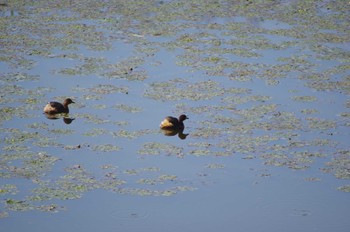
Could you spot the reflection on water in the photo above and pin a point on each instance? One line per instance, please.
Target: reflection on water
(66, 119)
(173, 132)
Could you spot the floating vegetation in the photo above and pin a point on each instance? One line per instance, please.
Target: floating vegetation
(246, 144)
(141, 170)
(198, 109)
(8, 113)
(282, 121)
(105, 148)
(148, 192)
(322, 124)
(38, 126)
(18, 77)
(245, 99)
(345, 188)
(207, 132)
(8, 189)
(96, 132)
(93, 118)
(215, 166)
(72, 147)
(70, 186)
(294, 160)
(125, 70)
(131, 135)
(127, 108)
(90, 65)
(32, 165)
(100, 107)
(47, 142)
(339, 165)
(309, 111)
(18, 205)
(304, 98)
(312, 179)
(61, 131)
(181, 89)
(154, 148)
(159, 180)
(200, 152)
(345, 114)
(103, 89)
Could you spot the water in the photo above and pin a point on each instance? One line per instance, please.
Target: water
(266, 96)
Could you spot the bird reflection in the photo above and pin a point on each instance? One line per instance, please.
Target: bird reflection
(173, 132)
(65, 117)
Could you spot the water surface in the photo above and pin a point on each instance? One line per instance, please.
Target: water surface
(265, 85)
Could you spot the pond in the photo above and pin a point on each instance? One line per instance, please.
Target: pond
(265, 86)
